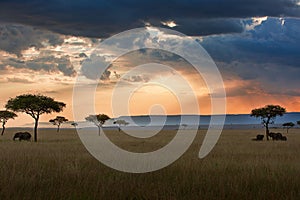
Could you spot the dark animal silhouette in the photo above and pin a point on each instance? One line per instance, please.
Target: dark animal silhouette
(259, 137)
(277, 136)
(22, 136)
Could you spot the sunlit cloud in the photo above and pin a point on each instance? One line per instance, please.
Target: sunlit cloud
(19, 80)
(170, 24)
(256, 21)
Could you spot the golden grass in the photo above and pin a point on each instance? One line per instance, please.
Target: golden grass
(59, 167)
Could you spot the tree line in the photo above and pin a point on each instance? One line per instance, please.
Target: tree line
(37, 105)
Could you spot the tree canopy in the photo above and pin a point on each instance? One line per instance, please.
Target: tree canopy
(74, 124)
(98, 120)
(121, 122)
(5, 115)
(288, 125)
(268, 115)
(58, 121)
(34, 105)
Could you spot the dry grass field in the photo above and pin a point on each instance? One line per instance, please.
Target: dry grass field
(59, 167)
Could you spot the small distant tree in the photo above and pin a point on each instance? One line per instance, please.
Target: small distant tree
(268, 115)
(184, 125)
(74, 124)
(98, 120)
(35, 106)
(121, 122)
(58, 121)
(288, 125)
(5, 115)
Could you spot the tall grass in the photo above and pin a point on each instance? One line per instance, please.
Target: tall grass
(59, 167)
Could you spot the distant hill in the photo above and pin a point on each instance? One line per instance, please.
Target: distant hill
(231, 119)
(157, 120)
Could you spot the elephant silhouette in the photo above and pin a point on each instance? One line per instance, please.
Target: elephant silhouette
(277, 136)
(22, 136)
(259, 137)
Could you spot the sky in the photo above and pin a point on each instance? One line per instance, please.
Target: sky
(46, 45)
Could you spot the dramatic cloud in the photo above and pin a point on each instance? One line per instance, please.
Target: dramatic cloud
(95, 68)
(15, 38)
(255, 44)
(49, 64)
(270, 42)
(137, 78)
(19, 80)
(104, 18)
(105, 76)
(266, 55)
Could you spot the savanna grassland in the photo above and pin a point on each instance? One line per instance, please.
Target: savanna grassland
(59, 167)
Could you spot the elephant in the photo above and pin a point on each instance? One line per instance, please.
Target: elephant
(277, 136)
(274, 136)
(259, 137)
(284, 138)
(22, 136)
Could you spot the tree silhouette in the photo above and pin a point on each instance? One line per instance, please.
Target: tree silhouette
(5, 115)
(35, 106)
(120, 122)
(288, 125)
(298, 122)
(58, 121)
(268, 115)
(74, 124)
(98, 120)
(184, 125)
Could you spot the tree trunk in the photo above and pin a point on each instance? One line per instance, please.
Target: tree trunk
(35, 128)
(3, 128)
(267, 131)
(57, 128)
(99, 130)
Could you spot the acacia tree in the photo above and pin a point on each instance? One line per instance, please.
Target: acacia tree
(98, 120)
(5, 115)
(74, 124)
(58, 121)
(35, 106)
(268, 115)
(184, 126)
(288, 125)
(120, 122)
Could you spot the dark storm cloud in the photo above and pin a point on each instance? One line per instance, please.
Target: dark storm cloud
(106, 75)
(92, 66)
(196, 26)
(15, 38)
(48, 64)
(99, 18)
(270, 42)
(268, 55)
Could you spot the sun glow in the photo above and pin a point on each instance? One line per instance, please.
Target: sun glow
(146, 98)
